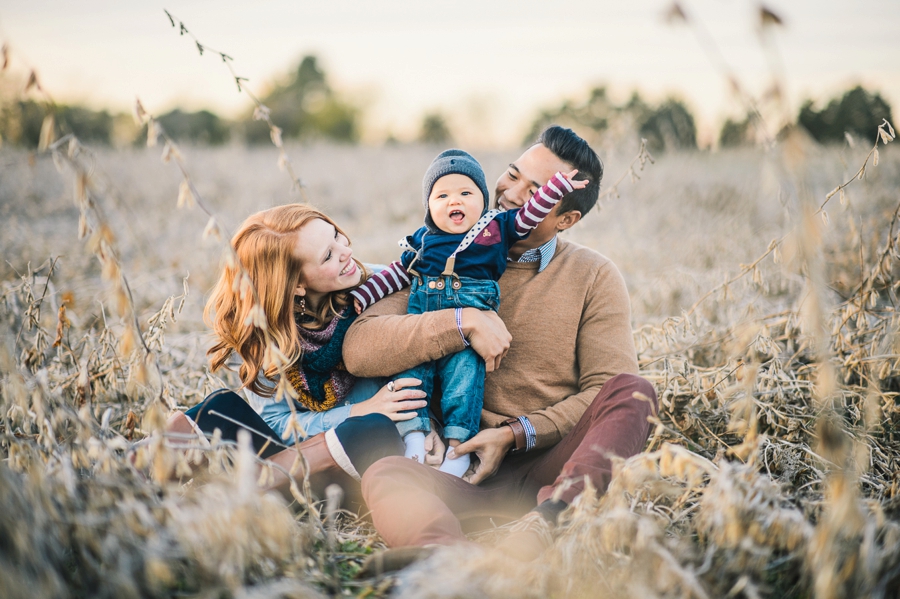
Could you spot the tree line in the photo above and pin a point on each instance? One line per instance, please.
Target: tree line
(670, 125)
(307, 107)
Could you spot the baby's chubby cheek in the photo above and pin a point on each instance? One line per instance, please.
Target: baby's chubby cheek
(440, 218)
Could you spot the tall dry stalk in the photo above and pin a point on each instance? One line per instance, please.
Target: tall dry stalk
(261, 112)
(70, 152)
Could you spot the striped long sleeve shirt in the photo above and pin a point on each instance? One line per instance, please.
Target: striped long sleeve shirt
(485, 258)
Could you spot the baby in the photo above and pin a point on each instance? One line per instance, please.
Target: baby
(456, 260)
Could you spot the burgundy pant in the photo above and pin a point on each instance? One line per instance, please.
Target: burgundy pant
(413, 504)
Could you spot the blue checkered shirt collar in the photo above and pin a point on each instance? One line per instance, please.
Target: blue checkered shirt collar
(542, 254)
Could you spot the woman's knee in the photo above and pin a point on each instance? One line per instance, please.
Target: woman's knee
(367, 439)
(373, 421)
(212, 401)
(377, 429)
(222, 396)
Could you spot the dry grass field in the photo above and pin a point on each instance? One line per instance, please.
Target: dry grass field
(773, 470)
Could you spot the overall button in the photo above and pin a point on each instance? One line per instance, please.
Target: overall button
(431, 284)
(457, 284)
(440, 284)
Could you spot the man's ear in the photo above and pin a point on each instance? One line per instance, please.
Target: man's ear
(568, 219)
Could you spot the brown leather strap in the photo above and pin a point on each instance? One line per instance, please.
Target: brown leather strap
(518, 433)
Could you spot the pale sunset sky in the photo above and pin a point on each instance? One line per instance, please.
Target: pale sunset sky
(489, 65)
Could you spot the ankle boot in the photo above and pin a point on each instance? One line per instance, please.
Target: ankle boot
(327, 464)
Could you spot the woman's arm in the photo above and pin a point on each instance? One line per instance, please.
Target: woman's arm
(277, 414)
(396, 405)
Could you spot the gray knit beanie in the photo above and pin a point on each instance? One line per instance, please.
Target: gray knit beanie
(450, 162)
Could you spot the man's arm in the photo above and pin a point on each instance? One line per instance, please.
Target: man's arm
(386, 340)
(604, 348)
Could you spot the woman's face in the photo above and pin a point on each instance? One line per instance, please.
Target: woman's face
(325, 258)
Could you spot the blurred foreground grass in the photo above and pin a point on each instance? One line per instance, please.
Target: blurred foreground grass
(763, 476)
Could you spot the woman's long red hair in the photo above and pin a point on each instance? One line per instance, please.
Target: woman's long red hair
(265, 245)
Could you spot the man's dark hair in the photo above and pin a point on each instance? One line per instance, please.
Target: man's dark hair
(569, 147)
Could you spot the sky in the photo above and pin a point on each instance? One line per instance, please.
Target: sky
(489, 65)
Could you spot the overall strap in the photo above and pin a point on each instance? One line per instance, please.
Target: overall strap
(407, 247)
(483, 222)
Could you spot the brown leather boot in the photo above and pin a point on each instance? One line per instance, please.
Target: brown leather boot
(327, 463)
(181, 435)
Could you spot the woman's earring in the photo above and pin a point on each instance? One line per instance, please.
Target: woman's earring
(302, 305)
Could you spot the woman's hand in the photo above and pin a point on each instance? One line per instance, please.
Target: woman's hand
(396, 404)
(487, 334)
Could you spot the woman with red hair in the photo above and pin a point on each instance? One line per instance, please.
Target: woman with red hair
(284, 315)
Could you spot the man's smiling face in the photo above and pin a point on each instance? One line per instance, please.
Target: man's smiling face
(520, 181)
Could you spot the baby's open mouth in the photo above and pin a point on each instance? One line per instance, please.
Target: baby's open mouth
(457, 216)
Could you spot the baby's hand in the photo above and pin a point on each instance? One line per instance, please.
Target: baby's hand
(357, 306)
(576, 184)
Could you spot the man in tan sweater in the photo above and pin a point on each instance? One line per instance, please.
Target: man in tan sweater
(560, 390)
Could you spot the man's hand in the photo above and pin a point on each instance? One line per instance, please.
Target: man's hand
(487, 334)
(491, 446)
(434, 448)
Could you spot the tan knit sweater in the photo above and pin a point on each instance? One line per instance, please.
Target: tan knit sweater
(570, 327)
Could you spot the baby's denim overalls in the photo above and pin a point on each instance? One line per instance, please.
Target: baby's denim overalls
(462, 373)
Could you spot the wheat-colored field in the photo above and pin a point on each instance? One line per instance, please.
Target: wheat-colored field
(772, 471)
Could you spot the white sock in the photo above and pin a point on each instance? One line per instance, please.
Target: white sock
(415, 446)
(456, 467)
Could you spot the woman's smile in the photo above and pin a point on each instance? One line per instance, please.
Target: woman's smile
(349, 269)
(327, 260)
